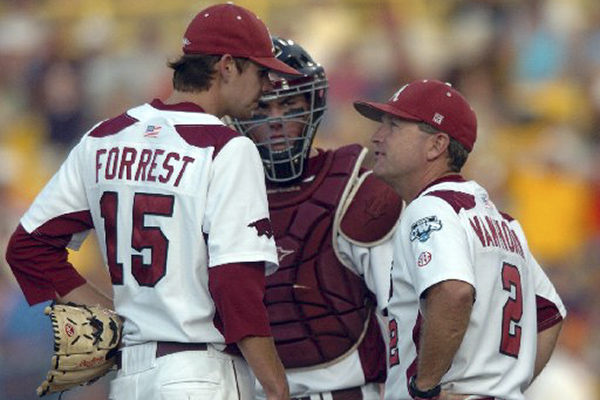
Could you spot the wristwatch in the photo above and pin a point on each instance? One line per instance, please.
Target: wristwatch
(415, 393)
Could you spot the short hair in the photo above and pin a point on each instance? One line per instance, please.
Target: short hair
(457, 153)
(195, 72)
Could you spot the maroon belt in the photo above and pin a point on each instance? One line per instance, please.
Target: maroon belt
(164, 348)
(354, 393)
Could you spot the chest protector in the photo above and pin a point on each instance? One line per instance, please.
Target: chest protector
(319, 310)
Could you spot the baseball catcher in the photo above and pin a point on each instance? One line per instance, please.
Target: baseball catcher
(86, 339)
(332, 222)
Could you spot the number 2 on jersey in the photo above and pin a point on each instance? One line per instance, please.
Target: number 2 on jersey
(512, 312)
(142, 236)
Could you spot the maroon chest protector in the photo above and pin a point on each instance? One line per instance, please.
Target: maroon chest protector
(318, 309)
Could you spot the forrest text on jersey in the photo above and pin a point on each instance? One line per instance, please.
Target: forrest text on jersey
(141, 165)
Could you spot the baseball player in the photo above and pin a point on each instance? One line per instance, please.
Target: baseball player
(472, 314)
(179, 206)
(333, 223)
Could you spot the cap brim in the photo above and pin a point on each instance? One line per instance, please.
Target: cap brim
(375, 111)
(275, 65)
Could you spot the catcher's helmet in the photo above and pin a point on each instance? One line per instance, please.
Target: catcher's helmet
(286, 165)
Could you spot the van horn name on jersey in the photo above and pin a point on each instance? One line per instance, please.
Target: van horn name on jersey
(146, 165)
(496, 233)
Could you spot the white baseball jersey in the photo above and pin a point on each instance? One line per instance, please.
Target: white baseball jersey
(453, 231)
(171, 192)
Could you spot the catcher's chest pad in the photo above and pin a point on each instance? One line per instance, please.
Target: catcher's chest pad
(319, 309)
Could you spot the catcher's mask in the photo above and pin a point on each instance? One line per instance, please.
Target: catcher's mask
(285, 153)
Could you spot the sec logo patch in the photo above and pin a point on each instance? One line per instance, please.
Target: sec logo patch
(424, 259)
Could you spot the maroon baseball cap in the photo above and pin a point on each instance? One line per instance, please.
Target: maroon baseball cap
(433, 102)
(230, 29)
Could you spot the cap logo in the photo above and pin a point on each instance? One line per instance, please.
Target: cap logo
(186, 42)
(394, 98)
(438, 118)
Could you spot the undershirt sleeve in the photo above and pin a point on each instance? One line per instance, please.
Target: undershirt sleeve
(40, 266)
(238, 290)
(548, 313)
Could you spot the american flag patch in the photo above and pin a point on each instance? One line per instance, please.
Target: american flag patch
(152, 130)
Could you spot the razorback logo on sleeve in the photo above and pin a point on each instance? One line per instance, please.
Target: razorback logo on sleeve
(263, 227)
(423, 228)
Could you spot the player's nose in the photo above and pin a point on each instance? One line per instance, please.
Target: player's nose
(276, 124)
(378, 134)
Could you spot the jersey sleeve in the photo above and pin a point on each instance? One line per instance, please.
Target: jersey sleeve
(237, 216)
(434, 243)
(372, 263)
(63, 195)
(549, 306)
(58, 218)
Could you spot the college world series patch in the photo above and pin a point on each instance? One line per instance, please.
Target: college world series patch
(423, 228)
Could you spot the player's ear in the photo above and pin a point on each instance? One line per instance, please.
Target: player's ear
(438, 144)
(226, 67)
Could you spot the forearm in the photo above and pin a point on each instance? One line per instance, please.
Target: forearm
(262, 357)
(87, 294)
(446, 318)
(546, 341)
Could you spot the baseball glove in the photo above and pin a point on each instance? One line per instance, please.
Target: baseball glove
(86, 340)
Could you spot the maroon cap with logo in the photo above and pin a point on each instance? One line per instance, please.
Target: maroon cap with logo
(433, 102)
(230, 29)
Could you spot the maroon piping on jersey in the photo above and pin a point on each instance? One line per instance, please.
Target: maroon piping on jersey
(113, 126)
(458, 200)
(447, 178)
(184, 107)
(506, 216)
(204, 136)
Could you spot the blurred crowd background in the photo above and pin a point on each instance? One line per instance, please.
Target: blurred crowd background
(530, 68)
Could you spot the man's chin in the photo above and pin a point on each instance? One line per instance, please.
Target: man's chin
(379, 171)
(243, 115)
